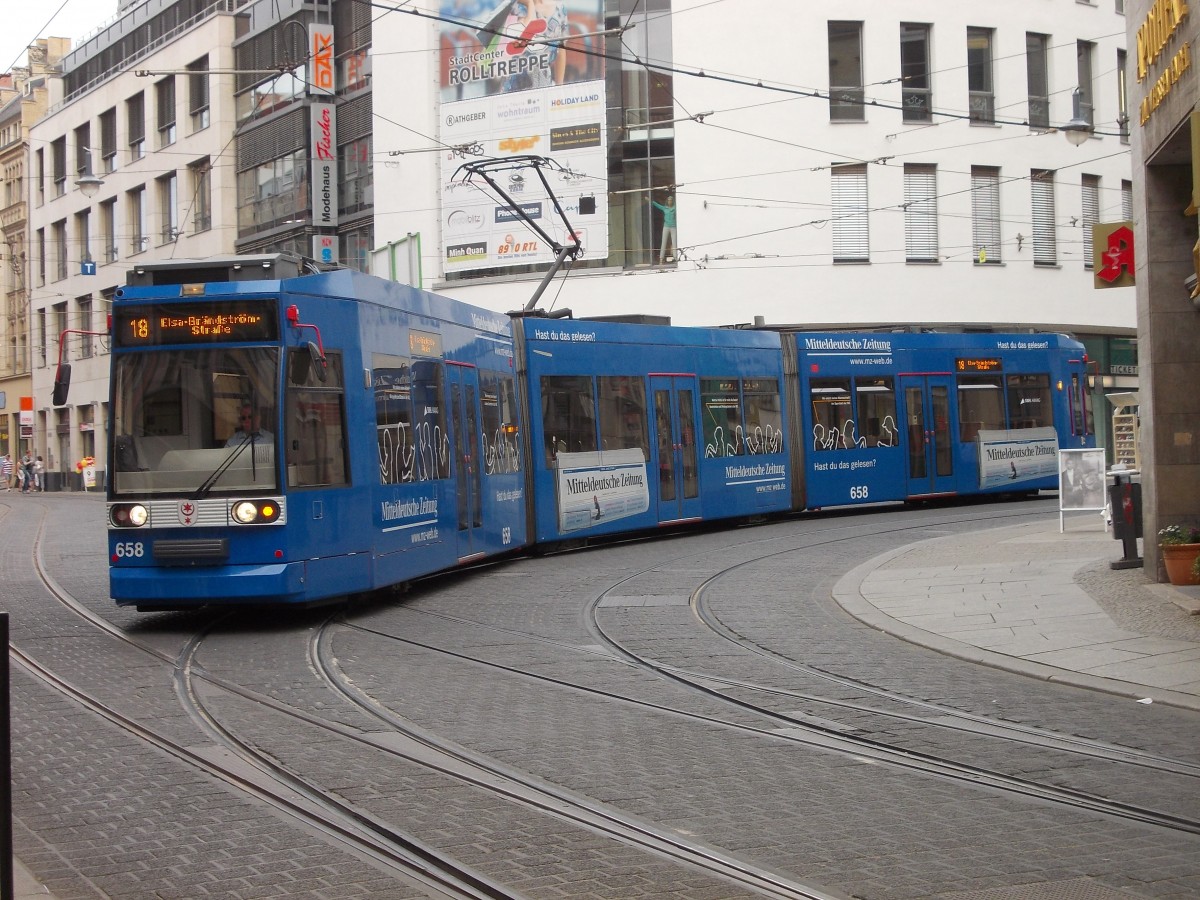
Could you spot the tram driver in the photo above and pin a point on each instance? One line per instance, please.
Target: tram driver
(250, 428)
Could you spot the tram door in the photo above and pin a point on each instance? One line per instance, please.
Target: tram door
(929, 437)
(463, 384)
(676, 455)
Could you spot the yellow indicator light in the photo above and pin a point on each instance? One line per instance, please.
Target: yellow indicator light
(192, 290)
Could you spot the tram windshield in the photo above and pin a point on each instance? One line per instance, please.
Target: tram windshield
(195, 422)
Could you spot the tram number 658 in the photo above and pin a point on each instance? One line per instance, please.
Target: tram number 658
(130, 549)
(858, 492)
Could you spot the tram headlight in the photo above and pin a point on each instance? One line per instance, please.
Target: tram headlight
(255, 512)
(245, 512)
(129, 515)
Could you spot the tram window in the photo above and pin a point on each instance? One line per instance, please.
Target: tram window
(980, 406)
(391, 378)
(1029, 403)
(721, 409)
(315, 427)
(764, 418)
(501, 437)
(431, 438)
(876, 412)
(1082, 421)
(568, 415)
(623, 414)
(833, 415)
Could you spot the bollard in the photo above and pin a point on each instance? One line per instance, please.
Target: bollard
(6, 844)
(1126, 500)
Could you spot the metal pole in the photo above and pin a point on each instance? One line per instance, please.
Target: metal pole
(6, 844)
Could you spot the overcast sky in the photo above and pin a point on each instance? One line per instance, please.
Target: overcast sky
(26, 20)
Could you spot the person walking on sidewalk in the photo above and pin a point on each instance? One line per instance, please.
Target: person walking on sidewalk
(26, 475)
(39, 475)
(6, 470)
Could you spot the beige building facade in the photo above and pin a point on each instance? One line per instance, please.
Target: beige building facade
(1165, 84)
(126, 168)
(24, 98)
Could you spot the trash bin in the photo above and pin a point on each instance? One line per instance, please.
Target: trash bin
(1125, 501)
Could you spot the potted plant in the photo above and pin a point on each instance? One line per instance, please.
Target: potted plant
(1180, 549)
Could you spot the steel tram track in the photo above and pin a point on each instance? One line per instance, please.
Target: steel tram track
(828, 737)
(261, 776)
(254, 772)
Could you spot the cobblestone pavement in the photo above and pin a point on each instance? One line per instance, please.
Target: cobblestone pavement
(100, 814)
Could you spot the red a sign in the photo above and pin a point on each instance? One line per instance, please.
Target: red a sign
(1112, 254)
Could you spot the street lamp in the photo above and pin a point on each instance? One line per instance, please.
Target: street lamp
(1079, 129)
(88, 183)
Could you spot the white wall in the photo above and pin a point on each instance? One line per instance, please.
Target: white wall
(754, 177)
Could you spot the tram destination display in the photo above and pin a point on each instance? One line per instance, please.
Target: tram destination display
(195, 323)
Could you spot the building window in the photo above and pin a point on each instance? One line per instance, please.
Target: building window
(41, 255)
(1084, 51)
(979, 75)
(82, 238)
(108, 140)
(200, 174)
(356, 248)
(985, 214)
(135, 203)
(39, 177)
(1091, 214)
(845, 72)
(198, 93)
(916, 91)
(355, 185)
(164, 102)
(41, 336)
(1038, 78)
(84, 306)
(1045, 243)
(59, 237)
(644, 157)
(168, 208)
(58, 324)
(273, 193)
(1122, 97)
(135, 118)
(851, 233)
(58, 160)
(108, 229)
(1127, 200)
(920, 213)
(83, 150)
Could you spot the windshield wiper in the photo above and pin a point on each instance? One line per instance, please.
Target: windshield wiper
(220, 470)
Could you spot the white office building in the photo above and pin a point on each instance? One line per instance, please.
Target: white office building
(902, 164)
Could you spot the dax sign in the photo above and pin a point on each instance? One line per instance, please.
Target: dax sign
(320, 48)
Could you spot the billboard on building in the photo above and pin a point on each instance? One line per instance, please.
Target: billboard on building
(323, 178)
(523, 78)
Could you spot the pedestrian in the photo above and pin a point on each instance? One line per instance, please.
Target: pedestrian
(39, 475)
(6, 469)
(26, 475)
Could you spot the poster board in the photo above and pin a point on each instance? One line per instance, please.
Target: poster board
(1081, 482)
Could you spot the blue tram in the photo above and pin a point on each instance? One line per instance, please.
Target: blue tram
(287, 439)
(903, 416)
(281, 437)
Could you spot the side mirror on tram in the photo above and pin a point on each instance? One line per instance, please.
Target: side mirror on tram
(62, 384)
(320, 365)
